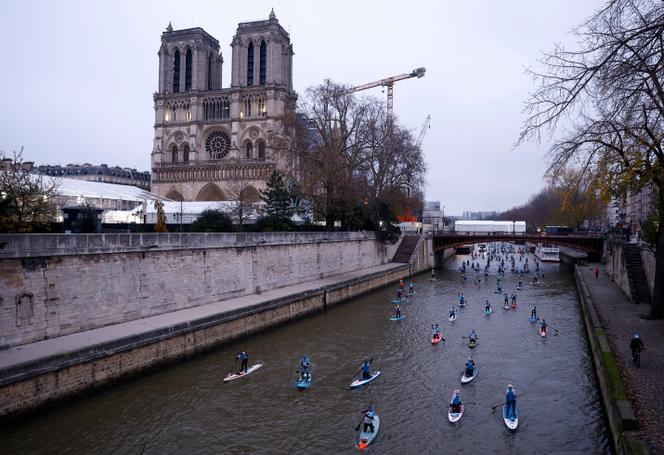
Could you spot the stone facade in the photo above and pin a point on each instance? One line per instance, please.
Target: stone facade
(210, 141)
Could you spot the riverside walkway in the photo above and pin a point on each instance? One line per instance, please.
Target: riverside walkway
(621, 319)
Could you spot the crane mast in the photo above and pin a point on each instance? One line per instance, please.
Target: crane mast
(426, 125)
(389, 83)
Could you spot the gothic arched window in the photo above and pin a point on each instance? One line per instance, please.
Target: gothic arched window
(187, 70)
(250, 64)
(261, 150)
(176, 72)
(263, 63)
(249, 150)
(185, 153)
(174, 154)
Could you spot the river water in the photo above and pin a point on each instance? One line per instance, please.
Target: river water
(187, 409)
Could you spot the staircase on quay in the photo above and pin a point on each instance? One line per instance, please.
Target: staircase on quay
(636, 274)
(406, 249)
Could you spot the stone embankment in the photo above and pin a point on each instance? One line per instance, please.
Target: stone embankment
(78, 319)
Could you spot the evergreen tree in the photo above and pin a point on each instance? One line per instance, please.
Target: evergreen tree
(212, 220)
(277, 198)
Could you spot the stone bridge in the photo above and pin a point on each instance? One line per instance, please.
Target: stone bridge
(593, 245)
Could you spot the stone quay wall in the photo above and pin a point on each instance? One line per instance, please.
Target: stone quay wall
(53, 285)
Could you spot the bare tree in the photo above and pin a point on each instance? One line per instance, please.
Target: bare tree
(243, 197)
(391, 162)
(329, 162)
(611, 90)
(27, 201)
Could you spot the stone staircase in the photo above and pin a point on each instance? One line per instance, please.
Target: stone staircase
(406, 249)
(638, 283)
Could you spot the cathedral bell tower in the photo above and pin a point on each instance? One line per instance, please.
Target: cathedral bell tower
(262, 55)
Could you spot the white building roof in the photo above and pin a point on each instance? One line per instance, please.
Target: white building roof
(98, 190)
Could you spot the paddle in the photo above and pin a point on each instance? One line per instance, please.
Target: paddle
(357, 428)
(500, 404)
(234, 363)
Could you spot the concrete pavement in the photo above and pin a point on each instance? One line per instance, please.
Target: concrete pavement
(620, 319)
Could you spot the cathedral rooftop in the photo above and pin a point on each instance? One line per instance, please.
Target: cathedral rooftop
(171, 34)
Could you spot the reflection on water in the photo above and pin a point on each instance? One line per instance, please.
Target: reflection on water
(187, 409)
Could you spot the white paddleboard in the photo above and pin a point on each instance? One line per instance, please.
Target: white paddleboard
(454, 416)
(234, 376)
(466, 379)
(509, 423)
(361, 382)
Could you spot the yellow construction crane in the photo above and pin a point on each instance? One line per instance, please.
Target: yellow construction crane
(389, 83)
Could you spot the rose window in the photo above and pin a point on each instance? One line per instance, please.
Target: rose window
(217, 145)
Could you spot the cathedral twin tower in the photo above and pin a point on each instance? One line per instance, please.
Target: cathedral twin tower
(209, 140)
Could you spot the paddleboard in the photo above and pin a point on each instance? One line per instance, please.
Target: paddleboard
(395, 301)
(454, 416)
(466, 379)
(304, 383)
(472, 343)
(461, 305)
(506, 307)
(452, 318)
(519, 288)
(533, 320)
(394, 318)
(234, 376)
(513, 422)
(436, 340)
(367, 438)
(488, 312)
(542, 332)
(361, 382)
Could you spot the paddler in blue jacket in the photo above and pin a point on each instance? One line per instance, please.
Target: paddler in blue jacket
(305, 364)
(456, 401)
(470, 367)
(472, 335)
(244, 357)
(411, 287)
(453, 311)
(366, 370)
(510, 401)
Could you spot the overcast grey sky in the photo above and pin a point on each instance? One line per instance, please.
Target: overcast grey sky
(78, 76)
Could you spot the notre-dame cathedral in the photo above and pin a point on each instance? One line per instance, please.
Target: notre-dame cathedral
(209, 140)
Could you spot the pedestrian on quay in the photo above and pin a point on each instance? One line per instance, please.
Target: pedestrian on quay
(596, 272)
